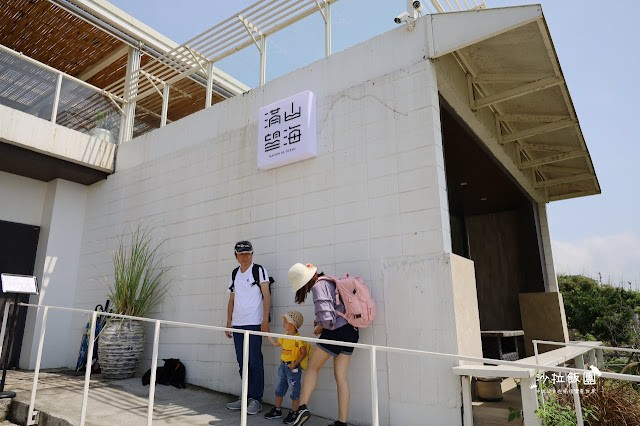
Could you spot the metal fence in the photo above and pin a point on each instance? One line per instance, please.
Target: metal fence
(373, 350)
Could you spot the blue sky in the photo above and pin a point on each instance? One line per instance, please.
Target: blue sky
(596, 45)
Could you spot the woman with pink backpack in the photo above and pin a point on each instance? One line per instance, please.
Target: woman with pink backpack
(331, 324)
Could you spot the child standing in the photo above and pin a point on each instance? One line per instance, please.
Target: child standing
(289, 372)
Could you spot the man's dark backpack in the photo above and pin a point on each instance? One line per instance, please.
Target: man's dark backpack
(256, 281)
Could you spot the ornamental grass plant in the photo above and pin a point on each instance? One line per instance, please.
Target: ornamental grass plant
(139, 283)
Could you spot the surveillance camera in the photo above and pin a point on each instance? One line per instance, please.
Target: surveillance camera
(403, 17)
(417, 6)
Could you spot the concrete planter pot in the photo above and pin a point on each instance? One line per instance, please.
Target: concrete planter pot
(102, 134)
(120, 348)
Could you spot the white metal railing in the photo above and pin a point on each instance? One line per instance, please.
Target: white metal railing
(154, 362)
(595, 358)
(76, 104)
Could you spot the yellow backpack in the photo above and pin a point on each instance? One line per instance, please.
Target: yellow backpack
(305, 361)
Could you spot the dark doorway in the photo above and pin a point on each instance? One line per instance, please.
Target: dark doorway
(18, 245)
(493, 222)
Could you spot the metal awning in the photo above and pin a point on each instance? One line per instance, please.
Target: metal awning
(515, 86)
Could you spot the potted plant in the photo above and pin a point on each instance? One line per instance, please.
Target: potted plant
(138, 286)
(103, 121)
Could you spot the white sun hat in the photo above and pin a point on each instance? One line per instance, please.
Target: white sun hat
(300, 274)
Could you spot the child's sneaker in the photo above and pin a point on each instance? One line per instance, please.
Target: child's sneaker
(302, 415)
(291, 417)
(275, 413)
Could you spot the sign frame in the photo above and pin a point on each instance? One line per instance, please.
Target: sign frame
(287, 131)
(19, 284)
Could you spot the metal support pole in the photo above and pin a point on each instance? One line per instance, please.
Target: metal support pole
(165, 104)
(467, 404)
(245, 377)
(600, 358)
(5, 316)
(209, 84)
(154, 366)
(87, 368)
(36, 373)
(263, 60)
(576, 402)
(529, 401)
(374, 388)
(327, 28)
(56, 99)
(130, 92)
(579, 360)
(7, 353)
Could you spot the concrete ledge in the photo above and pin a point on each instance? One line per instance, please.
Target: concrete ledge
(35, 134)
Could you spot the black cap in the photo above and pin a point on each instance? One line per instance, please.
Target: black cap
(243, 247)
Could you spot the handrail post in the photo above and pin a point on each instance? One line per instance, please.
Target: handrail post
(245, 377)
(30, 420)
(374, 388)
(56, 99)
(529, 395)
(87, 369)
(154, 365)
(5, 316)
(576, 402)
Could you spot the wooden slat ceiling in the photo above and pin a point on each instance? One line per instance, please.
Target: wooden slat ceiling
(53, 36)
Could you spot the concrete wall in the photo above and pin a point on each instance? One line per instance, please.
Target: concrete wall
(545, 234)
(58, 207)
(22, 199)
(375, 196)
(56, 269)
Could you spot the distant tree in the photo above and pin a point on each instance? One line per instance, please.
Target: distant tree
(600, 310)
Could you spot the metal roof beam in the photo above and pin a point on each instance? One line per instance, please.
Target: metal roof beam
(511, 78)
(566, 179)
(573, 195)
(560, 169)
(546, 147)
(553, 159)
(533, 118)
(534, 131)
(545, 83)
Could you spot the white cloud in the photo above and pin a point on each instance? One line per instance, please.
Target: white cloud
(616, 257)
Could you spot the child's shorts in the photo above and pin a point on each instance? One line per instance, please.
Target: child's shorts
(346, 333)
(287, 378)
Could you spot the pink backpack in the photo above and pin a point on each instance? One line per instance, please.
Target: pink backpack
(358, 303)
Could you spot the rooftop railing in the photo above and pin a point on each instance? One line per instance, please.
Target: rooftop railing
(44, 92)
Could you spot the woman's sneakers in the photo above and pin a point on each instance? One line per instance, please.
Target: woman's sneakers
(275, 413)
(302, 415)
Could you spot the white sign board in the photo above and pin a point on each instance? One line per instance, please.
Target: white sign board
(19, 284)
(287, 131)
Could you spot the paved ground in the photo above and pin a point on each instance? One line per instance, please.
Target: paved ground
(124, 402)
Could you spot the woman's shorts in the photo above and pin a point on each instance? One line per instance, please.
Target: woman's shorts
(346, 333)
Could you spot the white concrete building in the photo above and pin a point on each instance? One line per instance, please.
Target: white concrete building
(437, 153)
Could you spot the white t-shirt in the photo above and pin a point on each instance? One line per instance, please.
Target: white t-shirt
(247, 302)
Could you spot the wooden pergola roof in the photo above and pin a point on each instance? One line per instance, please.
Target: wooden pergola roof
(56, 37)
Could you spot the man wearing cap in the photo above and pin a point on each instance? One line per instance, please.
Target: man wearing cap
(248, 309)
